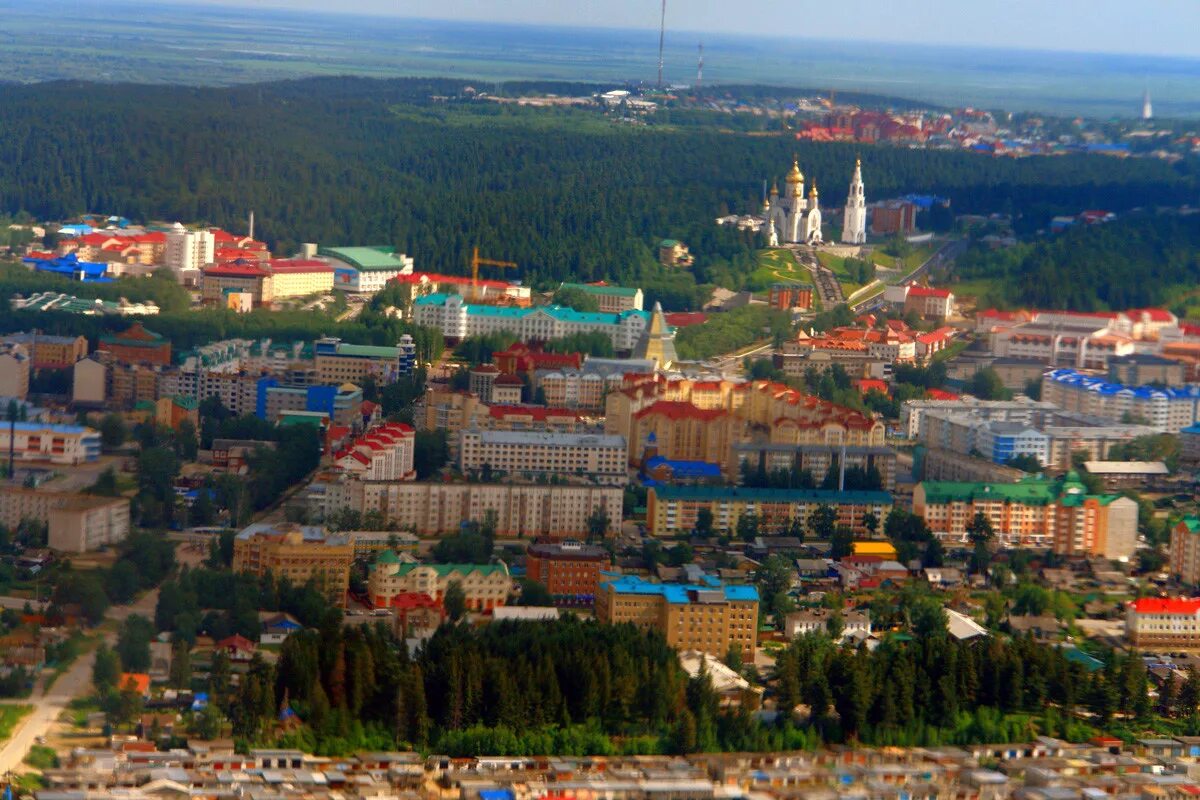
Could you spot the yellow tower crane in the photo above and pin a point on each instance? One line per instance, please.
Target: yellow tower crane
(476, 262)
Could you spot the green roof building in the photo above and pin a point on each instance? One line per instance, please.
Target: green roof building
(485, 586)
(1038, 513)
(365, 270)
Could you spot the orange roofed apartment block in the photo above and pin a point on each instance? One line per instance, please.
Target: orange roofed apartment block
(704, 419)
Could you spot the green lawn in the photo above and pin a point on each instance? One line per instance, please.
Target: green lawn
(952, 350)
(776, 266)
(10, 715)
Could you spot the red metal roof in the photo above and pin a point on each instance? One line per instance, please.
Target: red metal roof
(928, 291)
(1167, 605)
(236, 270)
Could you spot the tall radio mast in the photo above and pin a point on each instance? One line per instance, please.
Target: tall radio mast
(700, 66)
(662, 29)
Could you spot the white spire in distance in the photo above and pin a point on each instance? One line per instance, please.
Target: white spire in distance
(854, 216)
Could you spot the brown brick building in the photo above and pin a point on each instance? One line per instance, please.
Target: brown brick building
(137, 345)
(570, 570)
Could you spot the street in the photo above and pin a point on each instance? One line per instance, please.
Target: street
(75, 682)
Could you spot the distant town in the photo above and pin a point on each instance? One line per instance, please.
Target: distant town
(323, 521)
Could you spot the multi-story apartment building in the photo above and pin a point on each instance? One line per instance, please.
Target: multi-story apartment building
(570, 570)
(186, 250)
(365, 270)
(1184, 562)
(298, 553)
(587, 387)
(998, 430)
(338, 362)
(1034, 513)
(817, 459)
(342, 404)
(456, 411)
(675, 510)
(597, 457)
(707, 418)
(433, 508)
(1169, 409)
(49, 352)
(266, 281)
(383, 453)
(55, 444)
(84, 523)
(486, 586)
(707, 616)
(14, 371)
(131, 384)
(522, 358)
(611, 299)
(77, 523)
(137, 345)
(1169, 623)
(457, 320)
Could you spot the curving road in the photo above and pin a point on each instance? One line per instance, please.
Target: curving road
(75, 682)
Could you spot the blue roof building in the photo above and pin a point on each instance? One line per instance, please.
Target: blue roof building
(703, 614)
(69, 266)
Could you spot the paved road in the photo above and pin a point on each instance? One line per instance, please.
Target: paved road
(75, 682)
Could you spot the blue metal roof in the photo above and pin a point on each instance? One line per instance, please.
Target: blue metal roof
(680, 592)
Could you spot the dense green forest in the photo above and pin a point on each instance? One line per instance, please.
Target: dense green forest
(1141, 260)
(563, 193)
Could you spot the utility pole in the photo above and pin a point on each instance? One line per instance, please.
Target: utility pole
(662, 29)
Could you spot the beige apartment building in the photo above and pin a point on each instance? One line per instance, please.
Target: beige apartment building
(709, 617)
(433, 508)
(77, 523)
(298, 553)
(486, 586)
(600, 458)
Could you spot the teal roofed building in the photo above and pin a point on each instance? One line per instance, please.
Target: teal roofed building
(457, 320)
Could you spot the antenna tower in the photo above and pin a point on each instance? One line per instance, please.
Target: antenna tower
(662, 30)
(700, 67)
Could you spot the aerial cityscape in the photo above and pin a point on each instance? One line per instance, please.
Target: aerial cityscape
(541, 401)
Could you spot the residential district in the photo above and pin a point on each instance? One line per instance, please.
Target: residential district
(1033, 471)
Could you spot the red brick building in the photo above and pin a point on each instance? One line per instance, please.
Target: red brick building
(522, 358)
(569, 570)
(137, 345)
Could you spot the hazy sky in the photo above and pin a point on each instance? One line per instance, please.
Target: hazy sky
(1165, 27)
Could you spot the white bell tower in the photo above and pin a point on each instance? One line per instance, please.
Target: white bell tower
(854, 217)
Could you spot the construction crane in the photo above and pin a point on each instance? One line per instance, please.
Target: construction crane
(476, 262)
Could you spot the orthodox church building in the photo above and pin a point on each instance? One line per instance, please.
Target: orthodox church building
(793, 218)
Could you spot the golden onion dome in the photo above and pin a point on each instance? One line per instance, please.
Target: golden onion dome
(795, 176)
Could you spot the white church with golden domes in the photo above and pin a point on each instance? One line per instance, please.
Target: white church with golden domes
(792, 218)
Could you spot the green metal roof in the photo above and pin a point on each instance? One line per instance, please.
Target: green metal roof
(1191, 523)
(617, 291)
(1029, 491)
(367, 351)
(745, 493)
(668, 243)
(387, 557)
(183, 401)
(445, 570)
(558, 312)
(365, 258)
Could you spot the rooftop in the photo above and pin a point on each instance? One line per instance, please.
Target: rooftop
(683, 593)
(745, 493)
(366, 258)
